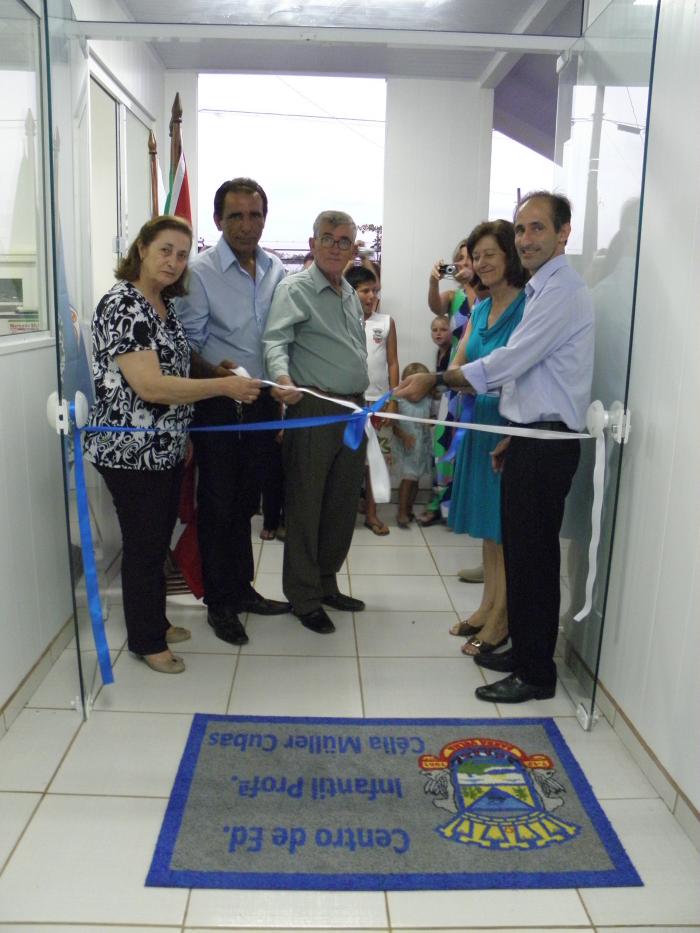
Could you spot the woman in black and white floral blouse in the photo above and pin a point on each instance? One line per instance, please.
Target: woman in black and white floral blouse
(141, 368)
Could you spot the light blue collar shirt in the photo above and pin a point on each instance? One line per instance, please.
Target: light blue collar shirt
(225, 311)
(545, 370)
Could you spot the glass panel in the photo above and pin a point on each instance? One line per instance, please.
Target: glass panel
(22, 250)
(601, 136)
(70, 113)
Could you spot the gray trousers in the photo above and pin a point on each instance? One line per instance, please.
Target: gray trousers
(323, 478)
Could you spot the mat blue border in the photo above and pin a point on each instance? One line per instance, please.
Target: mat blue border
(623, 874)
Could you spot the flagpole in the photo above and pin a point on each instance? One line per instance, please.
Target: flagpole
(178, 201)
(153, 161)
(175, 136)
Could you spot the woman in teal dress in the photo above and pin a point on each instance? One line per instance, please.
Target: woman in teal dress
(475, 507)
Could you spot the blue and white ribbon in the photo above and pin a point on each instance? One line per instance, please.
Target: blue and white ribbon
(358, 422)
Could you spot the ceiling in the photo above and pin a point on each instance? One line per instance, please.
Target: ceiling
(493, 16)
(446, 39)
(467, 40)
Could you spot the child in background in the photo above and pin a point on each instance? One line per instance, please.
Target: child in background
(412, 447)
(442, 338)
(382, 365)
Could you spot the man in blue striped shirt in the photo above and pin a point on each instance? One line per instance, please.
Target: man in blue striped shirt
(544, 374)
(224, 315)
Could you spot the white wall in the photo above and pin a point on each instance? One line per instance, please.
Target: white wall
(436, 189)
(137, 67)
(652, 634)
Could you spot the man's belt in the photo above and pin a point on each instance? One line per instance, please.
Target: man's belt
(542, 425)
(357, 398)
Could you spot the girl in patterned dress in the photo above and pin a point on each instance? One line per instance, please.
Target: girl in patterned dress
(413, 449)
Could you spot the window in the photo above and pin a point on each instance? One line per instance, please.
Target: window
(22, 266)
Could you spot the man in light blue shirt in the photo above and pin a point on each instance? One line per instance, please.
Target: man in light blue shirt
(544, 373)
(224, 315)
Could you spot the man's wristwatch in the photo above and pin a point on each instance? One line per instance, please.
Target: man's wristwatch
(439, 379)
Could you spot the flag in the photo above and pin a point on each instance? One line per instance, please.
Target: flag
(161, 192)
(178, 201)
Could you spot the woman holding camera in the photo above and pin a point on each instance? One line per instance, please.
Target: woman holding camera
(456, 305)
(141, 368)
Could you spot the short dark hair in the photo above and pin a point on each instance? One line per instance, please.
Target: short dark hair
(503, 233)
(559, 206)
(129, 268)
(358, 275)
(238, 186)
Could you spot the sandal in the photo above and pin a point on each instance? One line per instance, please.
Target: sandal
(404, 522)
(464, 629)
(267, 534)
(377, 528)
(482, 647)
(430, 518)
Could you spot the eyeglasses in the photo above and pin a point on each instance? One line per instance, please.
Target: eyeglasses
(327, 241)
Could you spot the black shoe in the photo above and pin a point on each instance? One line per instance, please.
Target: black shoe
(343, 603)
(513, 690)
(503, 663)
(227, 626)
(260, 606)
(317, 621)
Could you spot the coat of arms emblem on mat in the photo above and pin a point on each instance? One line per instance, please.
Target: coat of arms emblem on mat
(501, 797)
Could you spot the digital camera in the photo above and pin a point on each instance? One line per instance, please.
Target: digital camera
(448, 269)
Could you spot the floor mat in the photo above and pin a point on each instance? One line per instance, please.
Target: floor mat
(383, 804)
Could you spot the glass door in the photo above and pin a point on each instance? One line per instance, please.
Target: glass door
(102, 198)
(603, 96)
(603, 103)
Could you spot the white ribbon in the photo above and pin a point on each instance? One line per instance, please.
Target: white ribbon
(381, 482)
(378, 470)
(596, 521)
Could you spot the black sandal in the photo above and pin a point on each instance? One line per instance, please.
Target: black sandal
(465, 630)
(434, 519)
(484, 647)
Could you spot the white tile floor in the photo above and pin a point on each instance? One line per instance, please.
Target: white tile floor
(81, 802)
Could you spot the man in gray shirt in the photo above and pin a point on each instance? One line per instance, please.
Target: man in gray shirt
(315, 338)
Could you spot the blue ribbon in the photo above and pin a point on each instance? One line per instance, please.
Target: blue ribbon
(352, 437)
(355, 429)
(466, 414)
(89, 565)
(252, 426)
